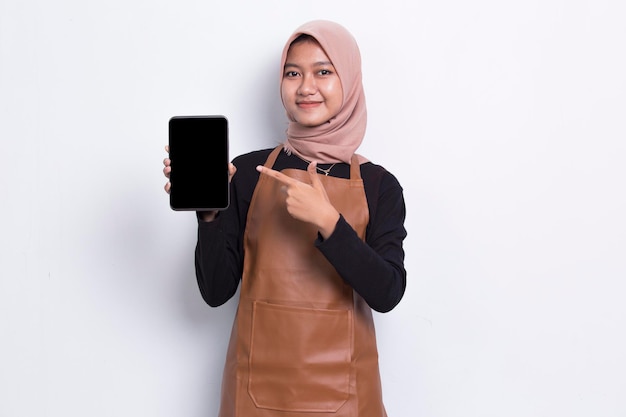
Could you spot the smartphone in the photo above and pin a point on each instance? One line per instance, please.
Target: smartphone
(199, 161)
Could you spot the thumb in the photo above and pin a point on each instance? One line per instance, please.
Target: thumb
(315, 180)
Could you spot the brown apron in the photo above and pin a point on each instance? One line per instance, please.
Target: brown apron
(303, 342)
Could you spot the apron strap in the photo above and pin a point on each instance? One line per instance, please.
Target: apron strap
(355, 168)
(269, 163)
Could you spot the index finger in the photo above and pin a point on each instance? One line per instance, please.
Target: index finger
(277, 175)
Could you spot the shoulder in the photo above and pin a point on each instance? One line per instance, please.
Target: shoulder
(247, 176)
(252, 158)
(385, 199)
(378, 177)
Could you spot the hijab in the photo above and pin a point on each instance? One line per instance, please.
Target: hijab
(337, 139)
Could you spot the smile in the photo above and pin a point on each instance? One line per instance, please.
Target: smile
(308, 104)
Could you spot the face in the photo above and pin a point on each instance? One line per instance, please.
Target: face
(311, 89)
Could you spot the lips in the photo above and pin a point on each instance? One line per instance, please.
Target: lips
(308, 104)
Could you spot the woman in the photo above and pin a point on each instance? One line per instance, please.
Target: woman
(314, 233)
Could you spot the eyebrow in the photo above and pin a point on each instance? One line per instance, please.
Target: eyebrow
(316, 64)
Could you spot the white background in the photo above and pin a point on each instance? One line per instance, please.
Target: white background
(503, 120)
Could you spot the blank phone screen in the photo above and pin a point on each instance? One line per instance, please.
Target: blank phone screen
(199, 161)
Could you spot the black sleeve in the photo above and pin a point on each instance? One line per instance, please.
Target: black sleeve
(374, 268)
(217, 281)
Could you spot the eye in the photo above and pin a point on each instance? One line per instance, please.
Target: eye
(291, 74)
(324, 72)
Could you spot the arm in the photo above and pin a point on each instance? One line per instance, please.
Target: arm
(219, 253)
(375, 268)
(218, 259)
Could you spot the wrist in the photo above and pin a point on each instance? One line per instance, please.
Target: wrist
(207, 216)
(330, 223)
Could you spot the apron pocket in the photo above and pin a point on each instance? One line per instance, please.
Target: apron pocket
(300, 358)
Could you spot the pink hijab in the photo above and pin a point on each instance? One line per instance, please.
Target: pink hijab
(338, 139)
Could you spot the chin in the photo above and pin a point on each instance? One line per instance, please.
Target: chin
(310, 123)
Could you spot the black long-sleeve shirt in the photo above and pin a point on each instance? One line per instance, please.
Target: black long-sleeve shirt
(374, 267)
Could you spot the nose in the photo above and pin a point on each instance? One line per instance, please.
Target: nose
(307, 86)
